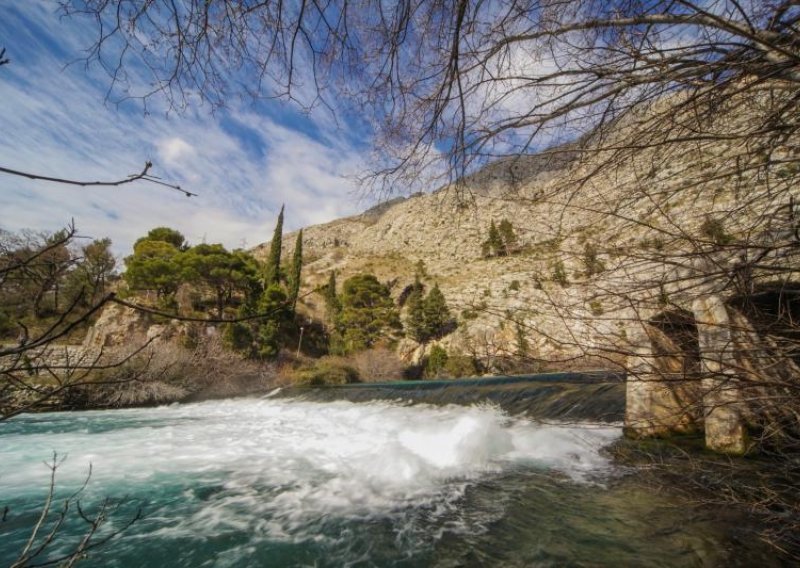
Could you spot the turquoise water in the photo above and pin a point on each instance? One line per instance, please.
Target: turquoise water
(281, 482)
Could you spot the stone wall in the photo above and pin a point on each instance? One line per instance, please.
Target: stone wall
(743, 384)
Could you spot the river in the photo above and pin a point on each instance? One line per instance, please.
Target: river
(291, 482)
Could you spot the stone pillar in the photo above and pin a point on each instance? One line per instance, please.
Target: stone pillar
(652, 406)
(724, 424)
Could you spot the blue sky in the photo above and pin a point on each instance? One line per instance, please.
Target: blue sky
(244, 161)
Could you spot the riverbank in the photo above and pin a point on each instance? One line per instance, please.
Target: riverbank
(761, 488)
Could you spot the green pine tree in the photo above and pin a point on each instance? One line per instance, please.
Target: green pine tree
(523, 347)
(591, 260)
(297, 267)
(435, 364)
(268, 340)
(493, 246)
(560, 274)
(421, 269)
(272, 270)
(238, 336)
(436, 314)
(368, 314)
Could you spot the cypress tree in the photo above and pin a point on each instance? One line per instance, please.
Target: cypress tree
(297, 267)
(272, 270)
(332, 305)
(268, 335)
(436, 362)
(415, 320)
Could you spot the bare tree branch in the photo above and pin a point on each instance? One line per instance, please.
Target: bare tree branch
(141, 176)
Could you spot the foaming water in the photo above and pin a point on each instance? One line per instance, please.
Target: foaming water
(287, 482)
(335, 456)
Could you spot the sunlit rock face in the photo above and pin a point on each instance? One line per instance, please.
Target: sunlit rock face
(600, 257)
(600, 253)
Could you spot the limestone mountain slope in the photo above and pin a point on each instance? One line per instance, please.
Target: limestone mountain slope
(604, 240)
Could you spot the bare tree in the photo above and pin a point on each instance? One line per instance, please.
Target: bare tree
(50, 523)
(38, 369)
(473, 80)
(144, 175)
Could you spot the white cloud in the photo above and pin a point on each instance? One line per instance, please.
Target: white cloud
(172, 150)
(54, 123)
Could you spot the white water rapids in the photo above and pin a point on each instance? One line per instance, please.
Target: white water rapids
(279, 482)
(276, 467)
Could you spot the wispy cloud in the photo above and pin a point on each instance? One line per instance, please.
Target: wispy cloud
(244, 163)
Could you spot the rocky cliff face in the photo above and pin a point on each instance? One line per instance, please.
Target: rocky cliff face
(445, 230)
(615, 246)
(586, 248)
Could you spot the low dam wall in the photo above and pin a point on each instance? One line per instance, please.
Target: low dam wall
(592, 396)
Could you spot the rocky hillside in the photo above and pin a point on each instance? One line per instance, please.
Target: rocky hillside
(605, 238)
